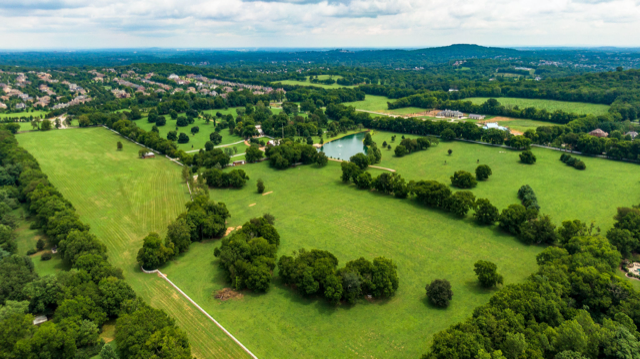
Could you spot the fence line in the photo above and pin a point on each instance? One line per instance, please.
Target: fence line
(200, 309)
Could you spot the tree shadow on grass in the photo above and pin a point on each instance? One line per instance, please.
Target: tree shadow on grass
(473, 286)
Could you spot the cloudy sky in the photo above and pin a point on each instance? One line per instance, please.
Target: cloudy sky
(312, 23)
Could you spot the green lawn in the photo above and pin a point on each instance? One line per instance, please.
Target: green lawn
(123, 198)
(379, 104)
(36, 113)
(580, 108)
(307, 83)
(313, 209)
(563, 192)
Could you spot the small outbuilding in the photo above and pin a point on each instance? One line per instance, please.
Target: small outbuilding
(238, 163)
(149, 155)
(494, 125)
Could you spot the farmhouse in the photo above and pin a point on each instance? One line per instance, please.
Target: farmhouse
(450, 113)
(598, 133)
(494, 125)
(632, 134)
(476, 117)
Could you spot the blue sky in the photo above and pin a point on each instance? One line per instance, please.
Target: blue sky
(311, 23)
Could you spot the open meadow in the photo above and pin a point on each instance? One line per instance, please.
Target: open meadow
(307, 83)
(314, 209)
(563, 192)
(580, 108)
(378, 104)
(123, 198)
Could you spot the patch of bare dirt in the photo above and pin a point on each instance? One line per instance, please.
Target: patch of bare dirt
(252, 204)
(266, 193)
(497, 119)
(227, 293)
(517, 133)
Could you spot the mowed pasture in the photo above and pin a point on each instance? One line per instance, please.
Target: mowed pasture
(580, 108)
(379, 104)
(308, 83)
(314, 209)
(123, 198)
(563, 192)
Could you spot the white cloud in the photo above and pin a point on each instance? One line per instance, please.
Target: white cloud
(308, 23)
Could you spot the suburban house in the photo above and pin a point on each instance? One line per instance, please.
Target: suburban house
(598, 133)
(259, 128)
(174, 77)
(494, 125)
(20, 106)
(473, 116)
(2, 105)
(633, 134)
(450, 113)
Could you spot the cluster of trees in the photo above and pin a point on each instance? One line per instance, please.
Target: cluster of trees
(408, 145)
(528, 197)
(323, 97)
(574, 306)
(248, 256)
(573, 162)
(528, 225)
(203, 219)
(289, 153)
(463, 179)
(219, 179)
(78, 301)
(625, 234)
(316, 272)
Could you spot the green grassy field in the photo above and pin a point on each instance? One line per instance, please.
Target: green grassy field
(198, 140)
(563, 192)
(580, 108)
(313, 209)
(36, 113)
(307, 83)
(124, 198)
(379, 104)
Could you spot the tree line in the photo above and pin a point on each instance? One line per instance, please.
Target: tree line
(78, 301)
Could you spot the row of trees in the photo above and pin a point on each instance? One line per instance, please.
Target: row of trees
(78, 301)
(203, 219)
(219, 179)
(316, 272)
(572, 161)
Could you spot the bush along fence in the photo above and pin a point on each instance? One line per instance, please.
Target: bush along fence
(573, 162)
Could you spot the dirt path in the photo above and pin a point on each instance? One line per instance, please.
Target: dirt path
(383, 168)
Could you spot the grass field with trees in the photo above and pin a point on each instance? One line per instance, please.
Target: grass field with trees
(123, 198)
(580, 108)
(308, 83)
(314, 209)
(589, 195)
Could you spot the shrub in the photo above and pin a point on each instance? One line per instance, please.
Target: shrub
(487, 273)
(485, 212)
(46, 256)
(182, 122)
(32, 251)
(463, 179)
(528, 197)
(460, 203)
(527, 157)
(183, 138)
(361, 160)
(483, 172)
(572, 161)
(439, 292)
(161, 121)
(40, 244)
(172, 136)
(260, 185)
(195, 129)
(322, 159)
(400, 150)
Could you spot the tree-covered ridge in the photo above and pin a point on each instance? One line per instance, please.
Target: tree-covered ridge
(574, 306)
(79, 301)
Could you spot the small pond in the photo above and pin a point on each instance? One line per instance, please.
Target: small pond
(345, 147)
